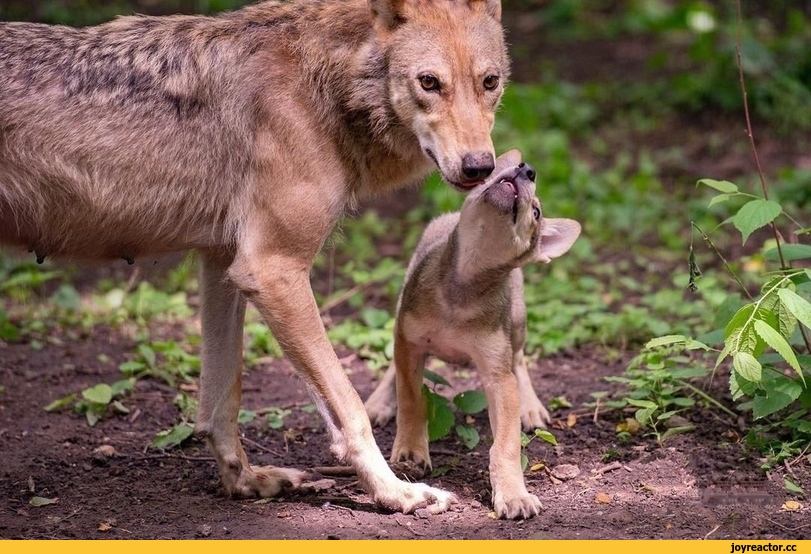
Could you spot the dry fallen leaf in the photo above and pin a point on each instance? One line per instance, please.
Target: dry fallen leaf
(537, 467)
(602, 498)
(40, 501)
(571, 420)
(792, 506)
(104, 526)
(630, 425)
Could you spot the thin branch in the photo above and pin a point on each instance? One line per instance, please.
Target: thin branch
(724, 260)
(751, 135)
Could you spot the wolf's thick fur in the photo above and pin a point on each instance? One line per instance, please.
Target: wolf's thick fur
(463, 300)
(246, 136)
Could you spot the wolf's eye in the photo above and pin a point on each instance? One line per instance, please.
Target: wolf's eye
(429, 82)
(536, 212)
(491, 82)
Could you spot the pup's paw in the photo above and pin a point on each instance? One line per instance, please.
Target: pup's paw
(414, 462)
(266, 481)
(523, 506)
(407, 497)
(534, 416)
(380, 413)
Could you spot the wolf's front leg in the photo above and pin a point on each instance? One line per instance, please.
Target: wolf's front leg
(222, 315)
(279, 286)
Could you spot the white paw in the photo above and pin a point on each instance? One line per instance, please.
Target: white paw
(407, 497)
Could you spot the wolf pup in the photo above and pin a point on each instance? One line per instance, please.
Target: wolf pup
(246, 136)
(463, 300)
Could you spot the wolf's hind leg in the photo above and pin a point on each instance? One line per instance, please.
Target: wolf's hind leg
(222, 316)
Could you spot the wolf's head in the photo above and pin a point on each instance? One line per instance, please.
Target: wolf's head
(447, 67)
(501, 224)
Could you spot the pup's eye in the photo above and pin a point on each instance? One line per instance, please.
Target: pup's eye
(429, 82)
(536, 212)
(491, 82)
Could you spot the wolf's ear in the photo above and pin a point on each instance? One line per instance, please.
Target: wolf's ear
(557, 237)
(387, 13)
(493, 7)
(509, 158)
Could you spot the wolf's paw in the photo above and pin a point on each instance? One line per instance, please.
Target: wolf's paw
(407, 497)
(265, 481)
(523, 506)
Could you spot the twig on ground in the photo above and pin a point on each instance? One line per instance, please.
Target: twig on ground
(335, 471)
(260, 447)
(610, 467)
(169, 456)
(714, 529)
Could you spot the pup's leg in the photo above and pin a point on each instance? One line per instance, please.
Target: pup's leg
(222, 316)
(381, 406)
(411, 442)
(279, 286)
(510, 496)
(533, 412)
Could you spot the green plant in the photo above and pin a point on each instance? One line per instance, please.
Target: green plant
(656, 386)
(441, 411)
(95, 400)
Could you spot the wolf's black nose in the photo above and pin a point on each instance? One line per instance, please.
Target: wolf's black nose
(526, 170)
(477, 165)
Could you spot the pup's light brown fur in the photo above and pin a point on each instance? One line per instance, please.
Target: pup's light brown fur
(246, 136)
(463, 300)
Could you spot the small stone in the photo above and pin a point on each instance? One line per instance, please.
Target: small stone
(565, 472)
(203, 530)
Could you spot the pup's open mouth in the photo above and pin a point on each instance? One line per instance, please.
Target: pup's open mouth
(515, 198)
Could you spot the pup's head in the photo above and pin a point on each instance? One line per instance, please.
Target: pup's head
(501, 223)
(447, 68)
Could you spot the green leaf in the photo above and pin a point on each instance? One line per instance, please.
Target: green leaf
(100, 394)
(673, 431)
(779, 344)
(780, 393)
(470, 401)
(791, 487)
(791, 253)
(754, 215)
(60, 403)
(121, 386)
(245, 416)
(435, 378)
(147, 354)
(721, 186)
(440, 416)
(665, 341)
(374, 317)
(797, 305)
(719, 199)
(642, 403)
(748, 366)
(170, 438)
(469, 435)
(545, 435)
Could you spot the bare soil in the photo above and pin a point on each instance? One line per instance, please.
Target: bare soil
(698, 485)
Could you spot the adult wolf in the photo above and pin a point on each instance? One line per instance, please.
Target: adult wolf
(246, 136)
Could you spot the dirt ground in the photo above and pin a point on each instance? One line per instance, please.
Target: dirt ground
(699, 485)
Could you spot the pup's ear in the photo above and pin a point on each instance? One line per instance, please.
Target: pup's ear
(387, 13)
(557, 237)
(510, 158)
(493, 7)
